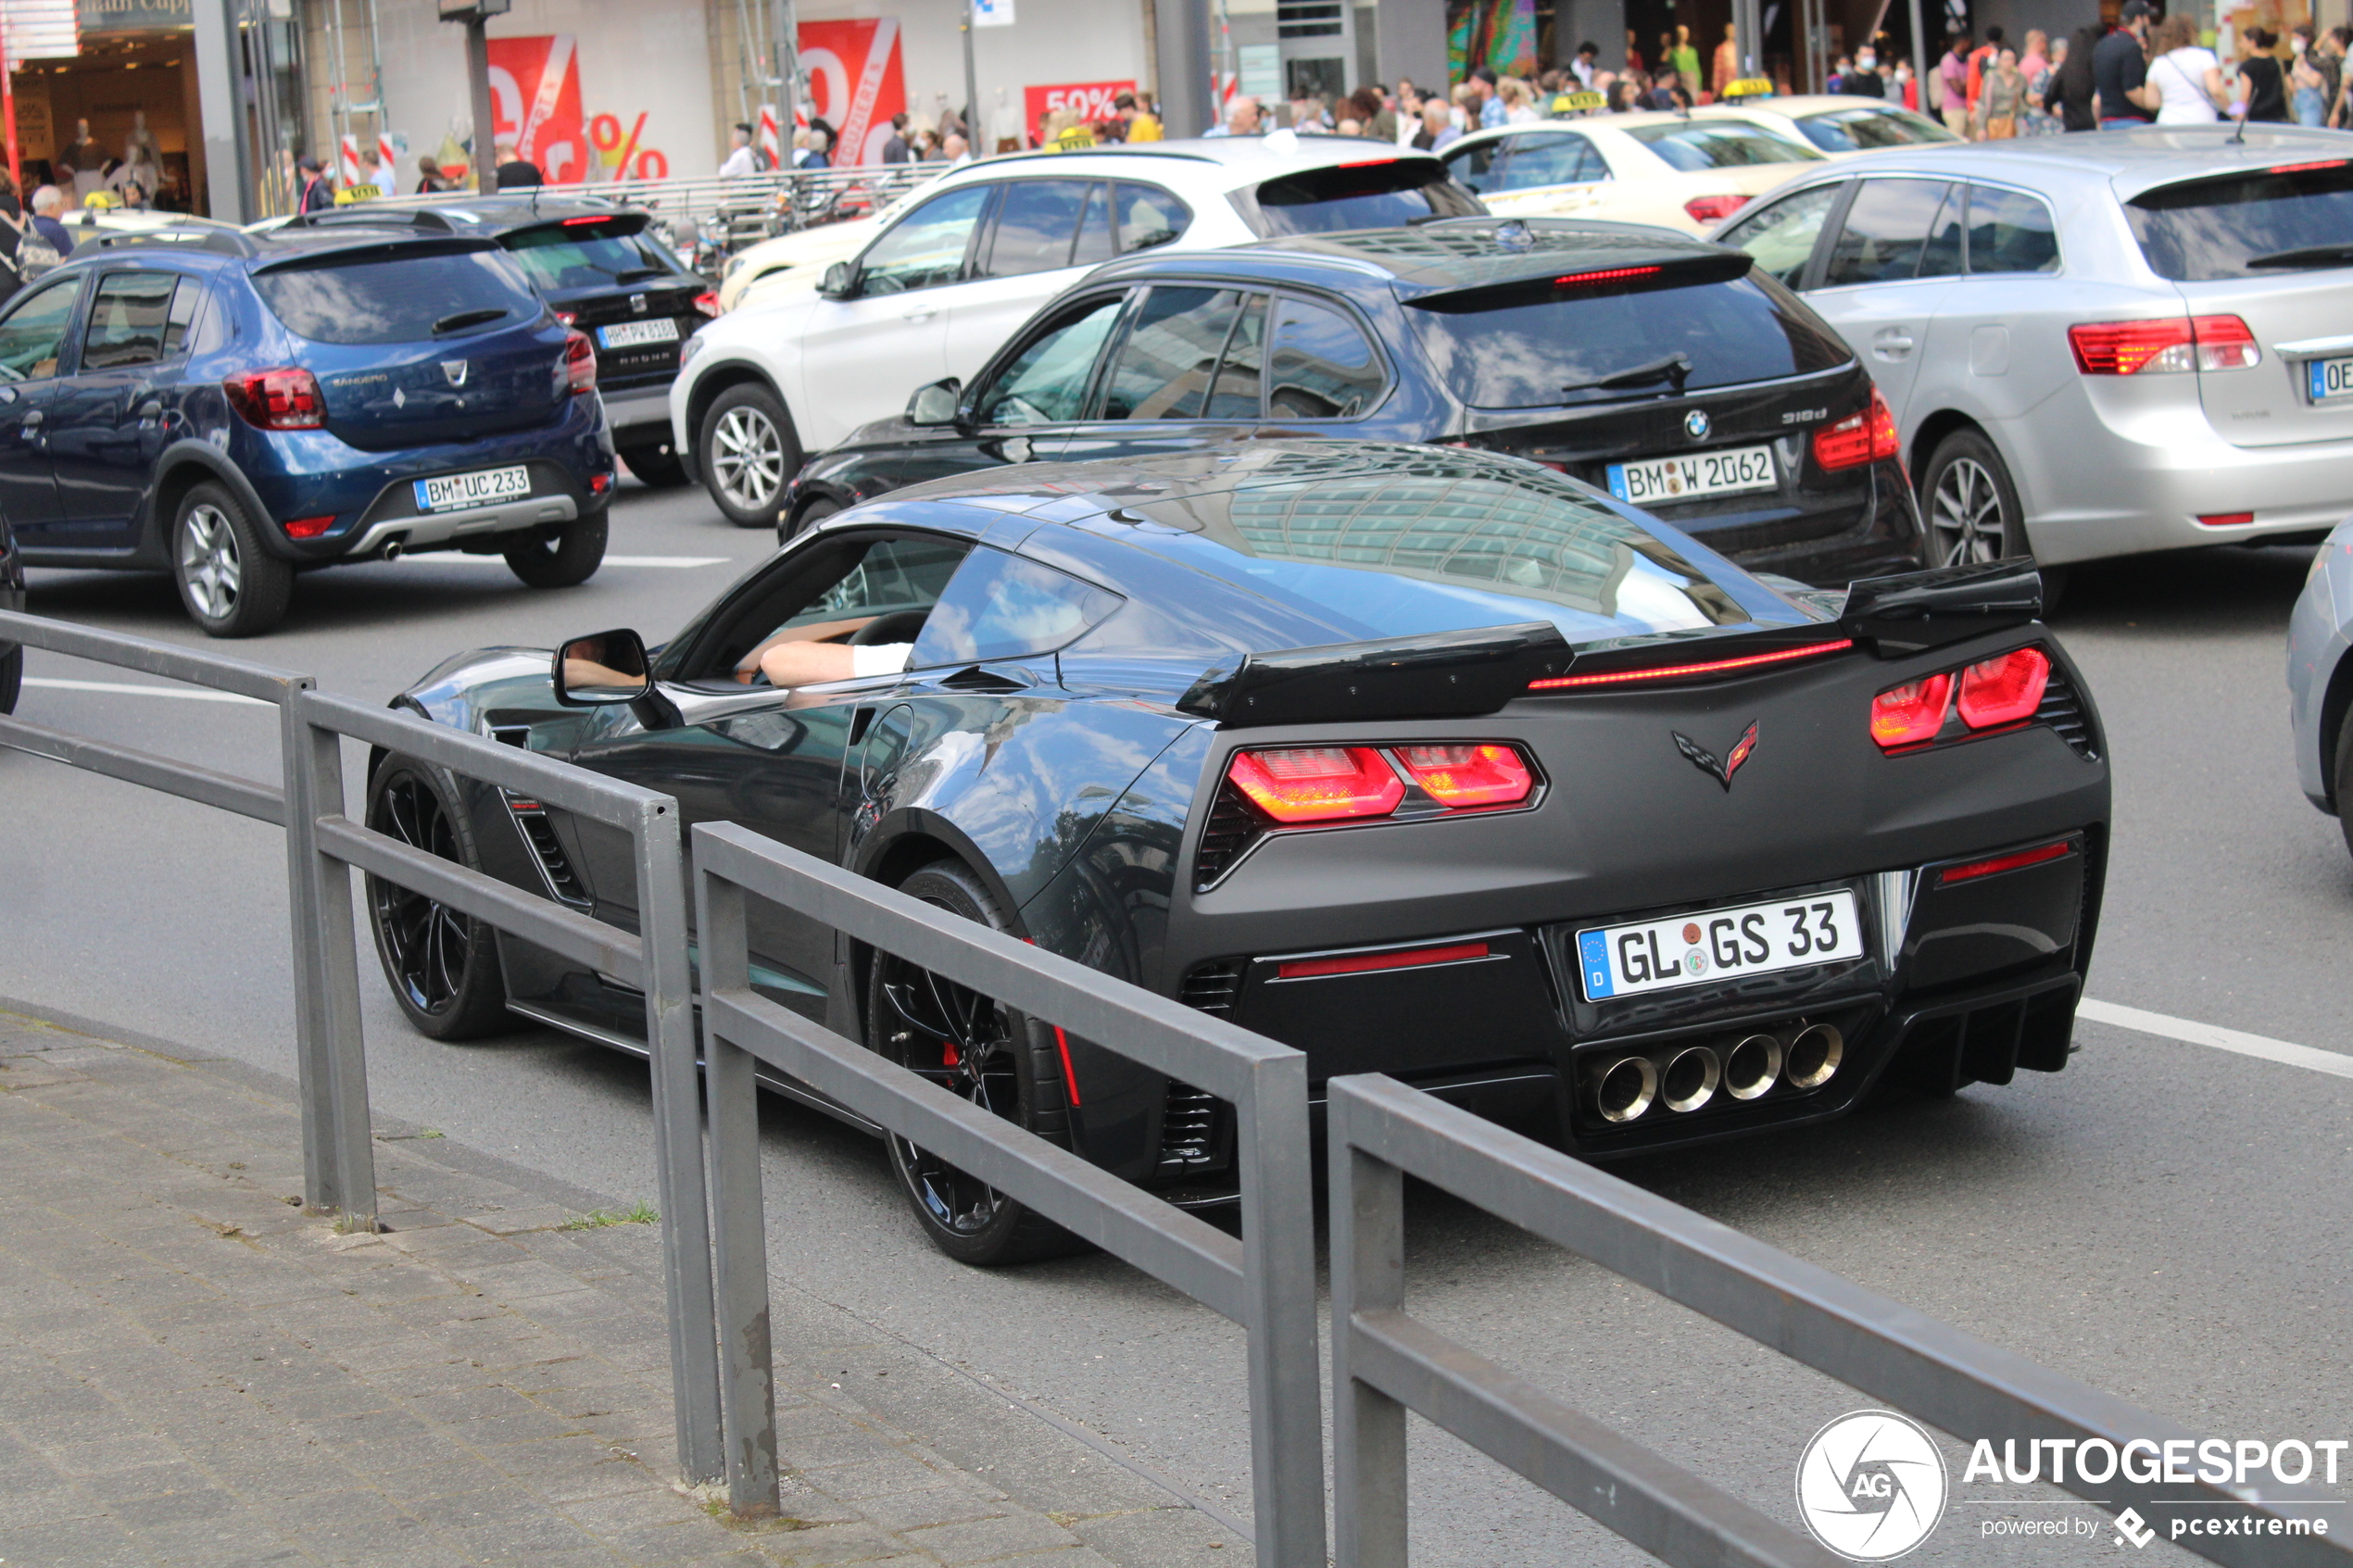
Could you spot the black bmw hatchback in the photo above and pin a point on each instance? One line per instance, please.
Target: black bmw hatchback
(604, 271)
(1661, 369)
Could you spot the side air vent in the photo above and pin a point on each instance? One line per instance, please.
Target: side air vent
(2063, 711)
(1212, 986)
(1196, 1133)
(531, 818)
(1234, 825)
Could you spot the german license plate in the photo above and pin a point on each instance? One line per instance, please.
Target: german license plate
(454, 492)
(1658, 955)
(630, 334)
(2329, 379)
(1693, 478)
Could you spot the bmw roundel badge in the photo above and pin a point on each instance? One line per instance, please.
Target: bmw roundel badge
(1695, 424)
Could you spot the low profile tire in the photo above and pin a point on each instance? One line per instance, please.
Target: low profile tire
(2341, 781)
(565, 561)
(442, 966)
(747, 451)
(11, 678)
(656, 464)
(806, 518)
(228, 581)
(983, 1052)
(1969, 505)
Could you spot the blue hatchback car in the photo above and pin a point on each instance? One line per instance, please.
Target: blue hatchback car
(237, 409)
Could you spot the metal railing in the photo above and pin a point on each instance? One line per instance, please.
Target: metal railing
(324, 846)
(1385, 1362)
(1265, 1282)
(750, 205)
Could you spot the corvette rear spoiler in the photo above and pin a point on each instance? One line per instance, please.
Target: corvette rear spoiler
(1463, 674)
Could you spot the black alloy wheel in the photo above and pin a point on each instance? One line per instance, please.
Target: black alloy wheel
(1968, 504)
(656, 464)
(978, 1051)
(806, 518)
(442, 966)
(566, 560)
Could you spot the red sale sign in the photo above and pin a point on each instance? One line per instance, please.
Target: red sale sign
(534, 93)
(856, 80)
(1089, 100)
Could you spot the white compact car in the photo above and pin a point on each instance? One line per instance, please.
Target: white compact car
(1837, 125)
(809, 251)
(799, 366)
(1679, 171)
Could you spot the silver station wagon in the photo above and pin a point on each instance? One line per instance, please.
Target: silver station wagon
(2095, 344)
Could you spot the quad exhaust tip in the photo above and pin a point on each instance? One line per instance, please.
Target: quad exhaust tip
(1748, 1067)
(1752, 1067)
(1626, 1088)
(1690, 1078)
(1814, 1055)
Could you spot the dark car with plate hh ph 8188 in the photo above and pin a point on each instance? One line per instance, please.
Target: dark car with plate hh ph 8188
(1662, 370)
(1428, 762)
(606, 271)
(234, 410)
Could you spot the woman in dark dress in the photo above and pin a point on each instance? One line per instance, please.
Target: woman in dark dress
(2260, 79)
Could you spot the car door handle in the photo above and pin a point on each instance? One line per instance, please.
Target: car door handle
(1893, 343)
(31, 428)
(151, 408)
(925, 314)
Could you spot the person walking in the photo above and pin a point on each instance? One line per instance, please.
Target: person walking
(2073, 90)
(2308, 84)
(2121, 68)
(2001, 98)
(895, 150)
(740, 160)
(1864, 81)
(316, 194)
(1952, 85)
(2262, 85)
(1142, 124)
(2185, 84)
(517, 172)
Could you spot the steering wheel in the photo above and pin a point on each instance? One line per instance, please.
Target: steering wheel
(898, 626)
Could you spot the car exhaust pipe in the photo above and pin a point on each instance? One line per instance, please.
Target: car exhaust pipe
(1752, 1067)
(391, 550)
(1814, 1055)
(1690, 1078)
(1626, 1088)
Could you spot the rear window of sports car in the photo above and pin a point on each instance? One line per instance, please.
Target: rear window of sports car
(1546, 346)
(1406, 547)
(404, 298)
(2262, 224)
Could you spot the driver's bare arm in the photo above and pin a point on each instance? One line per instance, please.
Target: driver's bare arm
(816, 632)
(806, 663)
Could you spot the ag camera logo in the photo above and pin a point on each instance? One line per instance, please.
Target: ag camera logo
(1871, 1485)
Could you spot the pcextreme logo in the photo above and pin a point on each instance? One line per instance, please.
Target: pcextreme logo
(1871, 1485)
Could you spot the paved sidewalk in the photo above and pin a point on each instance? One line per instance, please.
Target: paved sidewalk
(192, 1372)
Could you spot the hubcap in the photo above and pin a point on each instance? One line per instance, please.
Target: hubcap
(747, 456)
(209, 564)
(1964, 515)
(963, 1042)
(426, 940)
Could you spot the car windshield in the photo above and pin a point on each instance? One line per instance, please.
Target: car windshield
(597, 254)
(2255, 224)
(1542, 347)
(1695, 145)
(372, 298)
(1394, 546)
(1379, 193)
(1855, 130)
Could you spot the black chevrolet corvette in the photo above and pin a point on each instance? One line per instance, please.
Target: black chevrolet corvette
(1428, 762)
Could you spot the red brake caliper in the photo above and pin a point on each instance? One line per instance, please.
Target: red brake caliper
(948, 1056)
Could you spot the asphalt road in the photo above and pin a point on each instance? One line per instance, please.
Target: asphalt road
(2162, 1219)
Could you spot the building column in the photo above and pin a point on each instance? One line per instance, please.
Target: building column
(1188, 106)
(1595, 21)
(227, 164)
(1410, 41)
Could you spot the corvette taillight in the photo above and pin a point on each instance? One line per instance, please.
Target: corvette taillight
(1469, 776)
(1317, 784)
(2005, 690)
(1911, 713)
(1867, 437)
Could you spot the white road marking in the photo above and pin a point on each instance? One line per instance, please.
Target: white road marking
(2220, 1039)
(187, 694)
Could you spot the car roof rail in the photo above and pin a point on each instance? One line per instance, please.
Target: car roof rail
(393, 217)
(220, 241)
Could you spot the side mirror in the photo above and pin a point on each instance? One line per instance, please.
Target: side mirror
(840, 282)
(936, 404)
(608, 667)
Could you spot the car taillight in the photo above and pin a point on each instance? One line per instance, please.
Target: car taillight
(1867, 437)
(1317, 784)
(580, 364)
(568, 317)
(287, 398)
(1713, 210)
(1469, 775)
(707, 303)
(2163, 347)
(2005, 690)
(1911, 713)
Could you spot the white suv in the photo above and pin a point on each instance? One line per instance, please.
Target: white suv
(796, 369)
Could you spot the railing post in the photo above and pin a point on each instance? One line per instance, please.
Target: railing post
(1278, 1253)
(739, 1225)
(1368, 1274)
(338, 1157)
(678, 1149)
